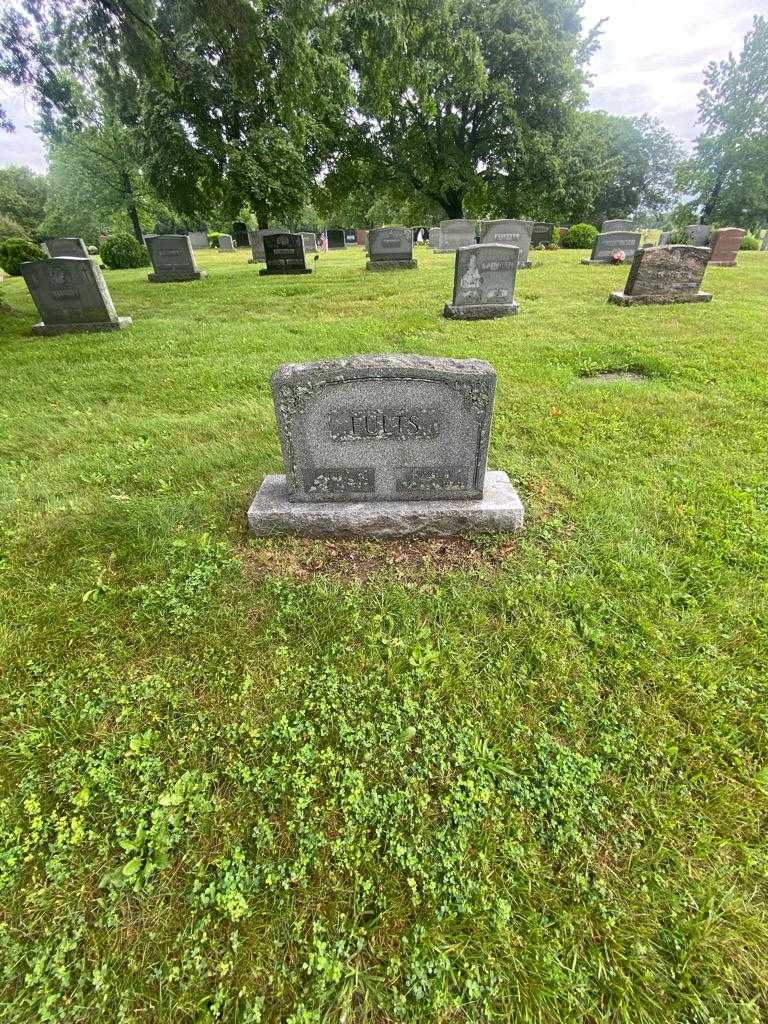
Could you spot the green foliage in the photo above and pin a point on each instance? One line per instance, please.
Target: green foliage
(213, 239)
(121, 252)
(750, 242)
(15, 251)
(580, 236)
(10, 228)
(22, 199)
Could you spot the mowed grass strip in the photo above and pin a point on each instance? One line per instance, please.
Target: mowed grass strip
(519, 781)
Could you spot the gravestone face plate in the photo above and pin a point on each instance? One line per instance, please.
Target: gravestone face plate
(455, 234)
(390, 248)
(337, 238)
(172, 259)
(284, 253)
(724, 245)
(665, 274)
(384, 428)
(66, 247)
(619, 224)
(71, 295)
(484, 282)
(199, 239)
(698, 234)
(509, 232)
(542, 234)
(605, 246)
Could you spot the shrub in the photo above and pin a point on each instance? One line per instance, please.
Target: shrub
(580, 236)
(213, 239)
(15, 251)
(750, 241)
(121, 252)
(9, 228)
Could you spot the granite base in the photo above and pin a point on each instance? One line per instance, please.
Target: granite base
(391, 265)
(161, 279)
(604, 263)
(498, 511)
(489, 311)
(722, 263)
(290, 271)
(668, 299)
(122, 321)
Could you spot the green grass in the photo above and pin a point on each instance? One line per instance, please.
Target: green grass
(528, 790)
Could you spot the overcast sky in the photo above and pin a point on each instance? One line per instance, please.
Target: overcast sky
(651, 60)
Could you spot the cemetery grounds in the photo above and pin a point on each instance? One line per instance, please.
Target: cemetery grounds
(517, 779)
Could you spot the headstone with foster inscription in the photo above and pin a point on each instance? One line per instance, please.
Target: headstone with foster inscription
(385, 445)
(484, 282)
(173, 259)
(65, 247)
(605, 246)
(665, 274)
(71, 295)
(724, 244)
(284, 253)
(509, 232)
(455, 234)
(390, 248)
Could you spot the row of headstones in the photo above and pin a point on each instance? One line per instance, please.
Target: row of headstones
(459, 233)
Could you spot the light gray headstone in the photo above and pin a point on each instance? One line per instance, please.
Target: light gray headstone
(71, 295)
(455, 234)
(434, 238)
(310, 241)
(198, 239)
(698, 234)
(256, 240)
(390, 248)
(173, 259)
(618, 224)
(509, 232)
(484, 282)
(765, 243)
(65, 247)
(724, 245)
(665, 274)
(284, 253)
(226, 244)
(665, 237)
(605, 246)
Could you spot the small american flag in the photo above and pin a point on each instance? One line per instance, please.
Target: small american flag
(322, 242)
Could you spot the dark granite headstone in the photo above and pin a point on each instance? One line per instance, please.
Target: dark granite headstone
(350, 236)
(256, 242)
(665, 274)
(71, 295)
(337, 238)
(240, 234)
(542, 234)
(619, 224)
(509, 232)
(724, 245)
(385, 445)
(390, 248)
(284, 254)
(484, 282)
(173, 259)
(605, 246)
(698, 234)
(65, 247)
(455, 234)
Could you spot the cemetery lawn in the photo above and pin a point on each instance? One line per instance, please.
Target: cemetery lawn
(519, 781)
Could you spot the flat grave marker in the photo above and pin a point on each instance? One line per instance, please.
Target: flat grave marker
(484, 282)
(663, 275)
(71, 295)
(385, 445)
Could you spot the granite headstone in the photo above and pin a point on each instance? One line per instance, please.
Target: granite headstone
(765, 243)
(698, 234)
(199, 239)
(484, 282)
(65, 247)
(455, 234)
(385, 445)
(724, 244)
(665, 274)
(240, 234)
(664, 238)
(337, 238)
(173, 259)
(310, 241)
(284, 253)
(390, 248)
(606, 245)
(362, 237)
(350, 236)
(618, 224)
(226, 244)
(256, 242)
(509, 232)
(71, 295)
(541, 234)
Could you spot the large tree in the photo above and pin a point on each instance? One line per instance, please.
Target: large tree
(230, 103)
(22, 201)
(728, 172)
(451, 96)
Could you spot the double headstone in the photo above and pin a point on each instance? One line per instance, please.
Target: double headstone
(724, 246)
(337, 238)
(698, 234)
(663, 275)
(71, 295)
(226, 244)
(284, 253)
(65, 247)
(620, 224)
(173, 259)
(455, 234)
(607, 245)
(385, 445)
(509, 232)
(484, 283)
(542, 234)
(390, 249)
(199, 239)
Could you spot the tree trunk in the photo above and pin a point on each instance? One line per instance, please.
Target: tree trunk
(453, 204)
(262, 218)
(710, 204)
(133, 213)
